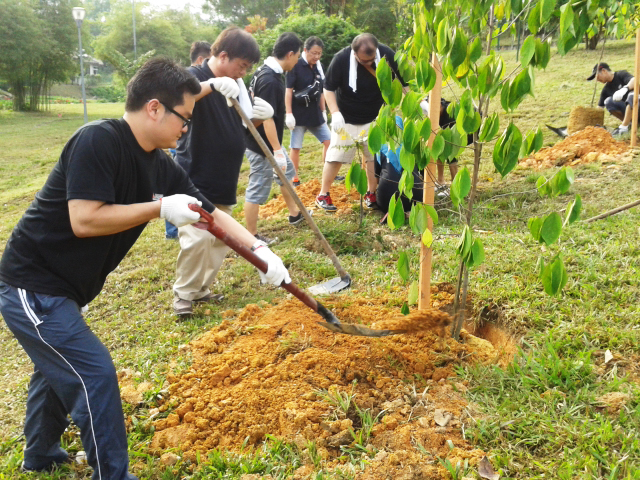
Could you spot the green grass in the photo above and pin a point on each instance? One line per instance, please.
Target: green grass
(539, 417)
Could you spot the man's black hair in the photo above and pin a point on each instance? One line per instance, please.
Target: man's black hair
(365, 41)
(162, 79)
(311, 41)
(237, 43)
(286, 42)
(199, 49)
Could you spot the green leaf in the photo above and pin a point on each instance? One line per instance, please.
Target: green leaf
(538, 140)
(544, 189)
(566, 17)
(533, 21)
(573, 210)
(383, 74)
(561, 182)
(554, 276)
(477, 252)
(504, 96)
(475, 50)
(395, 218)
(546, 10)
(410, 136)
(414, 292)
(551, 228)
(447, 148)
(362, 183)
(438, 145)
(427, 238)
(406, 183)
(425, 129)
(421, 220)
(489, 128)
(535, 226)
(410, 106)
(461, 186)
(506, 150)
(464, 243)
(432, 213)
(375, 138)
(407, 160)
(528, 50)
(396, 93)
(458, 49)
(405, 309)
(403, 266)
(442, 39)
(353, 176)
(540, 266)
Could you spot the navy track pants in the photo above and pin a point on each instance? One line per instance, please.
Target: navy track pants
(74, 375)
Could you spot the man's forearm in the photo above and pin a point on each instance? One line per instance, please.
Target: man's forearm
(288, 98)
(272, 134)
(332, 102)
(90, 218)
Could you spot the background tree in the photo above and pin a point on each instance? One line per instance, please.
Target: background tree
(37, 41)
(236, 13)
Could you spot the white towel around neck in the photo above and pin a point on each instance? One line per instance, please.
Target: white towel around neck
(353, 68)
(273, 64)
(318, 64)
(244, 100)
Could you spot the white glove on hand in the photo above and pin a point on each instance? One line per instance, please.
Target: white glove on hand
(226, 86)
(290, 121)
(324, 115)
(424, 105)
(337, 122)
(281, 159)
(262, 110)
(175, 209)
(276, 271)
(619, 94)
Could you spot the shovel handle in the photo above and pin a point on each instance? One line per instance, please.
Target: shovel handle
(246, 253)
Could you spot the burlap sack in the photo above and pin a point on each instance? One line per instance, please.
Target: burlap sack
(581, 117)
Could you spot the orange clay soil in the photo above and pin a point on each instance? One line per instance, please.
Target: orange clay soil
(270, 370)
(307, 192)
(586, 146)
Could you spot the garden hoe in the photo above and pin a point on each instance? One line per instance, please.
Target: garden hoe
(332, 322)
(335, 284)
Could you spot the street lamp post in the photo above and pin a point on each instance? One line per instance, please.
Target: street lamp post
(78, 16)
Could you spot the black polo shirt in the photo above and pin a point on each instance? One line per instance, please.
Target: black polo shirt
(300, 77)
(620, 79)
(363, 105)
(213, 148)
(269, 86)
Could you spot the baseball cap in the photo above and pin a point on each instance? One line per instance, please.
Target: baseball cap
(595, 70)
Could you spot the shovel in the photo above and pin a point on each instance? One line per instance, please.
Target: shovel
(331, 286)
(332, 322)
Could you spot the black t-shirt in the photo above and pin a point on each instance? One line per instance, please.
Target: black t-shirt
(363, 105)
(212, 150)
(388, 179)
(620, 79)
(269, 86)
(103, 162)
(299, 78)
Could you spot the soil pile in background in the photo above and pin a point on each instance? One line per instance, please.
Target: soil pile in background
(308, 191)
(273, 370)
(589, 145)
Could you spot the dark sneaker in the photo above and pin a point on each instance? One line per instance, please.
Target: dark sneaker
(370, 200)
(296, 183)
(339, 178)
(295, 220)
(61, 457)
(210, 298)
(324, 202)
(182, 307)
(267, 240)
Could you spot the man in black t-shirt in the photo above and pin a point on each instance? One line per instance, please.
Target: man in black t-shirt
(111, 179)
(268, 84)
(211, 153)
(304, 101)
(354, 100)
(616, 88)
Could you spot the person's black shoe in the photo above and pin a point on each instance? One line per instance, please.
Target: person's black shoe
(339, 178)
(267, 240)
(295, 220)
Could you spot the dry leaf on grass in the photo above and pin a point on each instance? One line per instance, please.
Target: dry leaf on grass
(608, 356)
(441, 418)
(485, 469)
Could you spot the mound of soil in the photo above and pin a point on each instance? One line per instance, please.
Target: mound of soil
(307, 192)
(273, 370)
(589, 145)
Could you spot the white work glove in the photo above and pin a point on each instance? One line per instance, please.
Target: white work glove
(619, 94)
(175, 209)
(324, 115)
(281, 159)
(261, 110)
(276, 271)
(290, 121)
(226, 86)
(337, 122)
(424, 105)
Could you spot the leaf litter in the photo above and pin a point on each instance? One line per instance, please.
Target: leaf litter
(272, 370)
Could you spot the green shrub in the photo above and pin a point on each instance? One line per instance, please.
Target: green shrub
(109, 93)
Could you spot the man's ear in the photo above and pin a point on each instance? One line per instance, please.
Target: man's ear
(151, 107)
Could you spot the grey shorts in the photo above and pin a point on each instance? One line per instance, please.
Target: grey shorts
(321, 132)
(261, 176)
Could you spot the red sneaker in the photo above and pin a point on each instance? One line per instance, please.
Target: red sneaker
(370, 200)
(324, 202)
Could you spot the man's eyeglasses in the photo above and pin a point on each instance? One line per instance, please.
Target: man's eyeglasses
(187, 121)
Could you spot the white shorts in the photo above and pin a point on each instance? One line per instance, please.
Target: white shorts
(342, 148)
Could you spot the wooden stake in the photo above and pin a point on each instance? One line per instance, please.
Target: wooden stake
(424, 299)
(636, 89)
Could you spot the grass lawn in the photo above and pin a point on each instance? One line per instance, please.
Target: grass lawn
(541, 415)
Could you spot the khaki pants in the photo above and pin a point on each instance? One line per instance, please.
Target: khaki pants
(201, 256)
